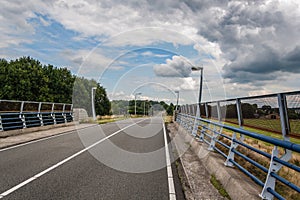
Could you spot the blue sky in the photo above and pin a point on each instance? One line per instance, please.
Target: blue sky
(246, 48)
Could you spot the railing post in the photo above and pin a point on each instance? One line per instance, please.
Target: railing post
(196, 122)
(215, 135)
(64, 114)
(40, 115)
(201, 136)
(219, 111)
(53, 114)
(71, 112)
(234, 145)
(273, 169)
(193, 110)
(1, 127)
(206, 110)
(276, 166)
(239, 112)
(21, 116)
(284, 119)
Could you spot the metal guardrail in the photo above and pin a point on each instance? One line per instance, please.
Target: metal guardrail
(210, 125)
(26, 114)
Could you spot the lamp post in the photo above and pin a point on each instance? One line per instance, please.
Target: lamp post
(93, 103)
(195, 128)
(200, 88)
(135, 95)
(177, 92)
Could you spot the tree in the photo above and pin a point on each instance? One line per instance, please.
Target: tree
(231, 111)
(26, 79)
(248, 110)
(170, 109)
(102, 103)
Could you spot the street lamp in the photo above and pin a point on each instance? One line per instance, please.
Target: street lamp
(93, 103)
(195, 128)
(135, 95)
(201, 81)
(177, 92)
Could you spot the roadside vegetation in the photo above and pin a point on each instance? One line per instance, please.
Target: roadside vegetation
(216, 183)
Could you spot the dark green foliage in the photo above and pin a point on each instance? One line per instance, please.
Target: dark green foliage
(26, 79)
(142, 107)
(102, 103)
(231, 111)
(119, 107)
(170, 109)
(248, 110)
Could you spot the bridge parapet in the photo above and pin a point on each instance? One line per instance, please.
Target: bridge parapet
(225, 126)
(27, 114)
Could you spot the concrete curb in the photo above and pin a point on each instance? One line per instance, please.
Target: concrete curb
(5, 134)
(237, 184)
(20, 139)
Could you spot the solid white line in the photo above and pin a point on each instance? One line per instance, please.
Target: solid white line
(45, 138)
(172, 194)
(62, 162)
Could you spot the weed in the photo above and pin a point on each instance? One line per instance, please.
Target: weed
(216, 183)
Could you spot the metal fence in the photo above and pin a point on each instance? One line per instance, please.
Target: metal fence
(253, 130)
(26, 114)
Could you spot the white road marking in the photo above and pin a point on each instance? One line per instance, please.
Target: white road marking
(62, 162)
(172, 194)
(42, 139)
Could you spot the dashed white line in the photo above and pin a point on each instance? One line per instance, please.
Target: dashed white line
(172, 194)
(61, 162)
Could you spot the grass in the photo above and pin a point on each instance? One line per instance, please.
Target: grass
(216, 183)
(109, 119)
(264, 132)
(269, 124)
(168, 119)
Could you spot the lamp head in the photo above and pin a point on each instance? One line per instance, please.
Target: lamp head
(196, 68)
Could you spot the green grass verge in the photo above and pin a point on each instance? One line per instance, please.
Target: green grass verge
(104, 121)
(216, 183)
(266, 133)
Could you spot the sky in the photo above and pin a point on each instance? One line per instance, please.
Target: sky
(246, 47)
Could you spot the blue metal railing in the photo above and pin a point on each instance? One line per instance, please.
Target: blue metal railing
(25, 114)
(214, 132)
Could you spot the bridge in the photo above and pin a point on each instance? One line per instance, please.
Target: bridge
(250, 145)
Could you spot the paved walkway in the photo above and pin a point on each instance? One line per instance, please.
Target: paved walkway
(196, 179)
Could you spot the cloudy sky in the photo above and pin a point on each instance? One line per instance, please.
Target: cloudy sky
(245, 47)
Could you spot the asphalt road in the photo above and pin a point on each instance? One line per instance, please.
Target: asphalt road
(122, 160)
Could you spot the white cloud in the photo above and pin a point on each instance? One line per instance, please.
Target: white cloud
(89, 63)
(254, 42)
(178, 66)
(151, 54)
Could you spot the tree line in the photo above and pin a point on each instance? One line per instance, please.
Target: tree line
(26, 79)
(143, 107)
(248, 111)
